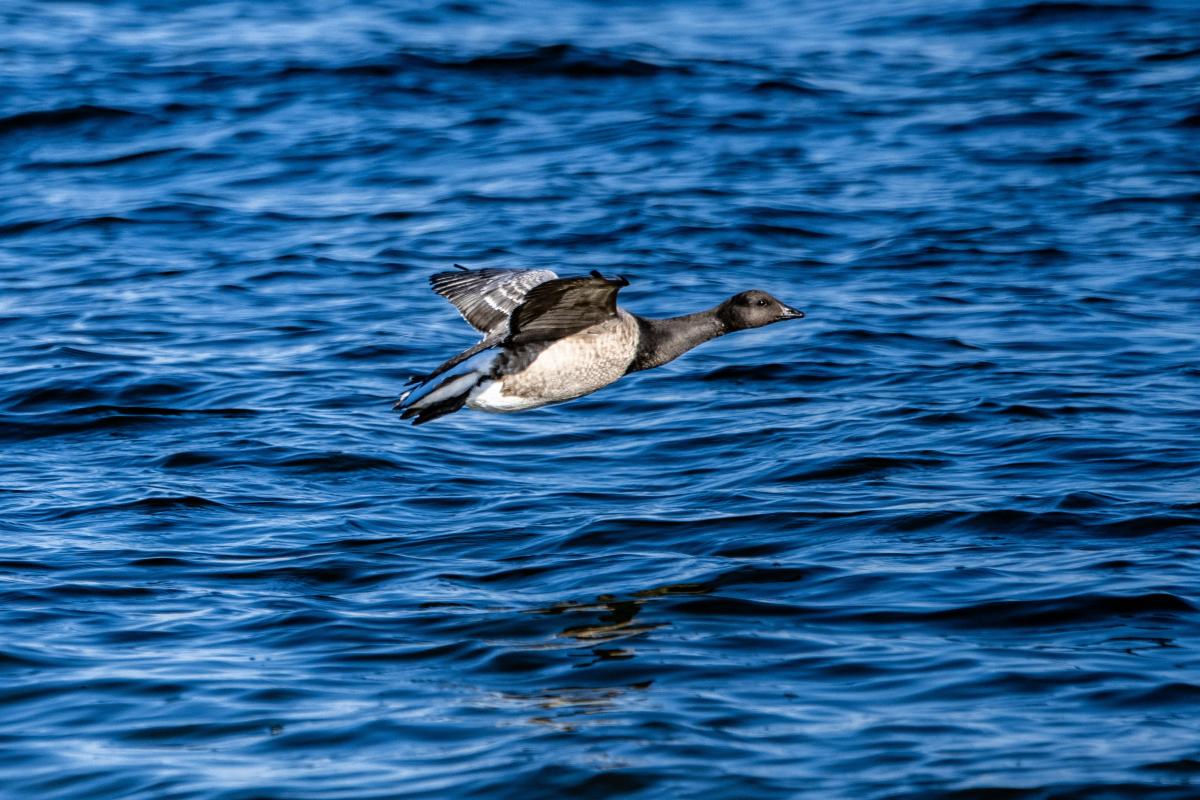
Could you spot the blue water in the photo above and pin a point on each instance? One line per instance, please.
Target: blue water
(937, 540)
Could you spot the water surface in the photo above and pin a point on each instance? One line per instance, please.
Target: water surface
(938, 538)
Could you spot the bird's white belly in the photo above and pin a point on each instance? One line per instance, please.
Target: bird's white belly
(491, 397)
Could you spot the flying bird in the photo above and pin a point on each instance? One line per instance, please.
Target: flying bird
(548, 339)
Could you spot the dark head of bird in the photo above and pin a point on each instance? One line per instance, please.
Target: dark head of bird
(753, 309)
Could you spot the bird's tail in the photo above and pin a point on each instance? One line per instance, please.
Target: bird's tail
(429, 399)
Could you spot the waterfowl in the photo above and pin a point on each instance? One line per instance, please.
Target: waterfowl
(548, 339)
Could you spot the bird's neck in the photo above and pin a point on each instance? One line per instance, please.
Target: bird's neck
(663, 340)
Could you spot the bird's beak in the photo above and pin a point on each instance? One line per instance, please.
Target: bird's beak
(791, 313)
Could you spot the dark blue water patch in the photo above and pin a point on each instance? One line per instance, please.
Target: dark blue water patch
(61, 117)
(938, 540)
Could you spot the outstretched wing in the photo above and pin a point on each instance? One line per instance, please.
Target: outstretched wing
(486, 297)
(564, 306)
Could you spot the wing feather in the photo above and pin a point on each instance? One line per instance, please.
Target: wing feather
(564, 306)
(487, 297)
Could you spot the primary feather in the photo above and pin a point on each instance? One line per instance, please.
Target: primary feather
(487, 297)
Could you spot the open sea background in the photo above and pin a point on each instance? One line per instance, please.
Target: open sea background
(938, 540)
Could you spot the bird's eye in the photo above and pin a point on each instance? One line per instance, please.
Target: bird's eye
(762, 302)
